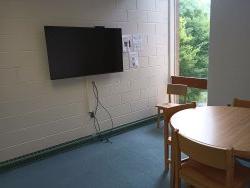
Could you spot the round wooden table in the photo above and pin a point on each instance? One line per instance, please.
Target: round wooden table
(219, 126)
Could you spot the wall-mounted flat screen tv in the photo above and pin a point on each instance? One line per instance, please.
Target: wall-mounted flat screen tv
(81, 51)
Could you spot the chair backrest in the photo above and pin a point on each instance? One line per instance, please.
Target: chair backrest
(219, 158)
(177, 89)
(241, 103)
(168, 113)
(200, 83)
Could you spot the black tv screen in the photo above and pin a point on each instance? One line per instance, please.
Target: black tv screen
(80, 51)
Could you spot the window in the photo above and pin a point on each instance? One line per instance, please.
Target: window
(193, 20)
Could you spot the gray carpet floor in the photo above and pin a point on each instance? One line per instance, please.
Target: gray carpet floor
(133, 160)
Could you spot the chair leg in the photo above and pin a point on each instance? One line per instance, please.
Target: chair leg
(166, 147)
(175, 179)
(166, 158)
(172, 172)
(158, 117)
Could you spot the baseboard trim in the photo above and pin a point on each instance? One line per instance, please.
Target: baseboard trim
(45, 153)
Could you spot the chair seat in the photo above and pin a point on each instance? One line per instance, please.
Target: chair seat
(167, 105)
(192, 170)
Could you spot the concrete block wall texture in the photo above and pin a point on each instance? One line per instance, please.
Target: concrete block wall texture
(35, 112)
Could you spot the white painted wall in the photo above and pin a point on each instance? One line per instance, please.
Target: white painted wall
(37, 113)
(229, 62)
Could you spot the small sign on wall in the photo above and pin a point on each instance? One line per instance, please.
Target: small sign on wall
(136, 41)
(133, 60)
(132, 45)
(127, 43)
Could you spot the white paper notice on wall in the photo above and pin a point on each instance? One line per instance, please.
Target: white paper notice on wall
(127, 43)
(136, 42)
(133, 60)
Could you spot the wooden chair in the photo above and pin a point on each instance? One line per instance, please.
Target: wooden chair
(207, 166)
(192, 82)
(241, 103)
(245, 104)
(168, 113)
(172, 89)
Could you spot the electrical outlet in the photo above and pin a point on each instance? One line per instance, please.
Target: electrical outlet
(91, 114)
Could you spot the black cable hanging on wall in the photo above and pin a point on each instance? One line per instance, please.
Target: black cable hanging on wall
(96, 122)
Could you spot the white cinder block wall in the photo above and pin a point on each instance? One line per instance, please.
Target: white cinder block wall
(35, 112)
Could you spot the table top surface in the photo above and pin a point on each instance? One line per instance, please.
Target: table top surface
(219, 126)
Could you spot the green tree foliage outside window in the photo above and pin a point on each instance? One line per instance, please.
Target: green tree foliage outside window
(194, 42)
